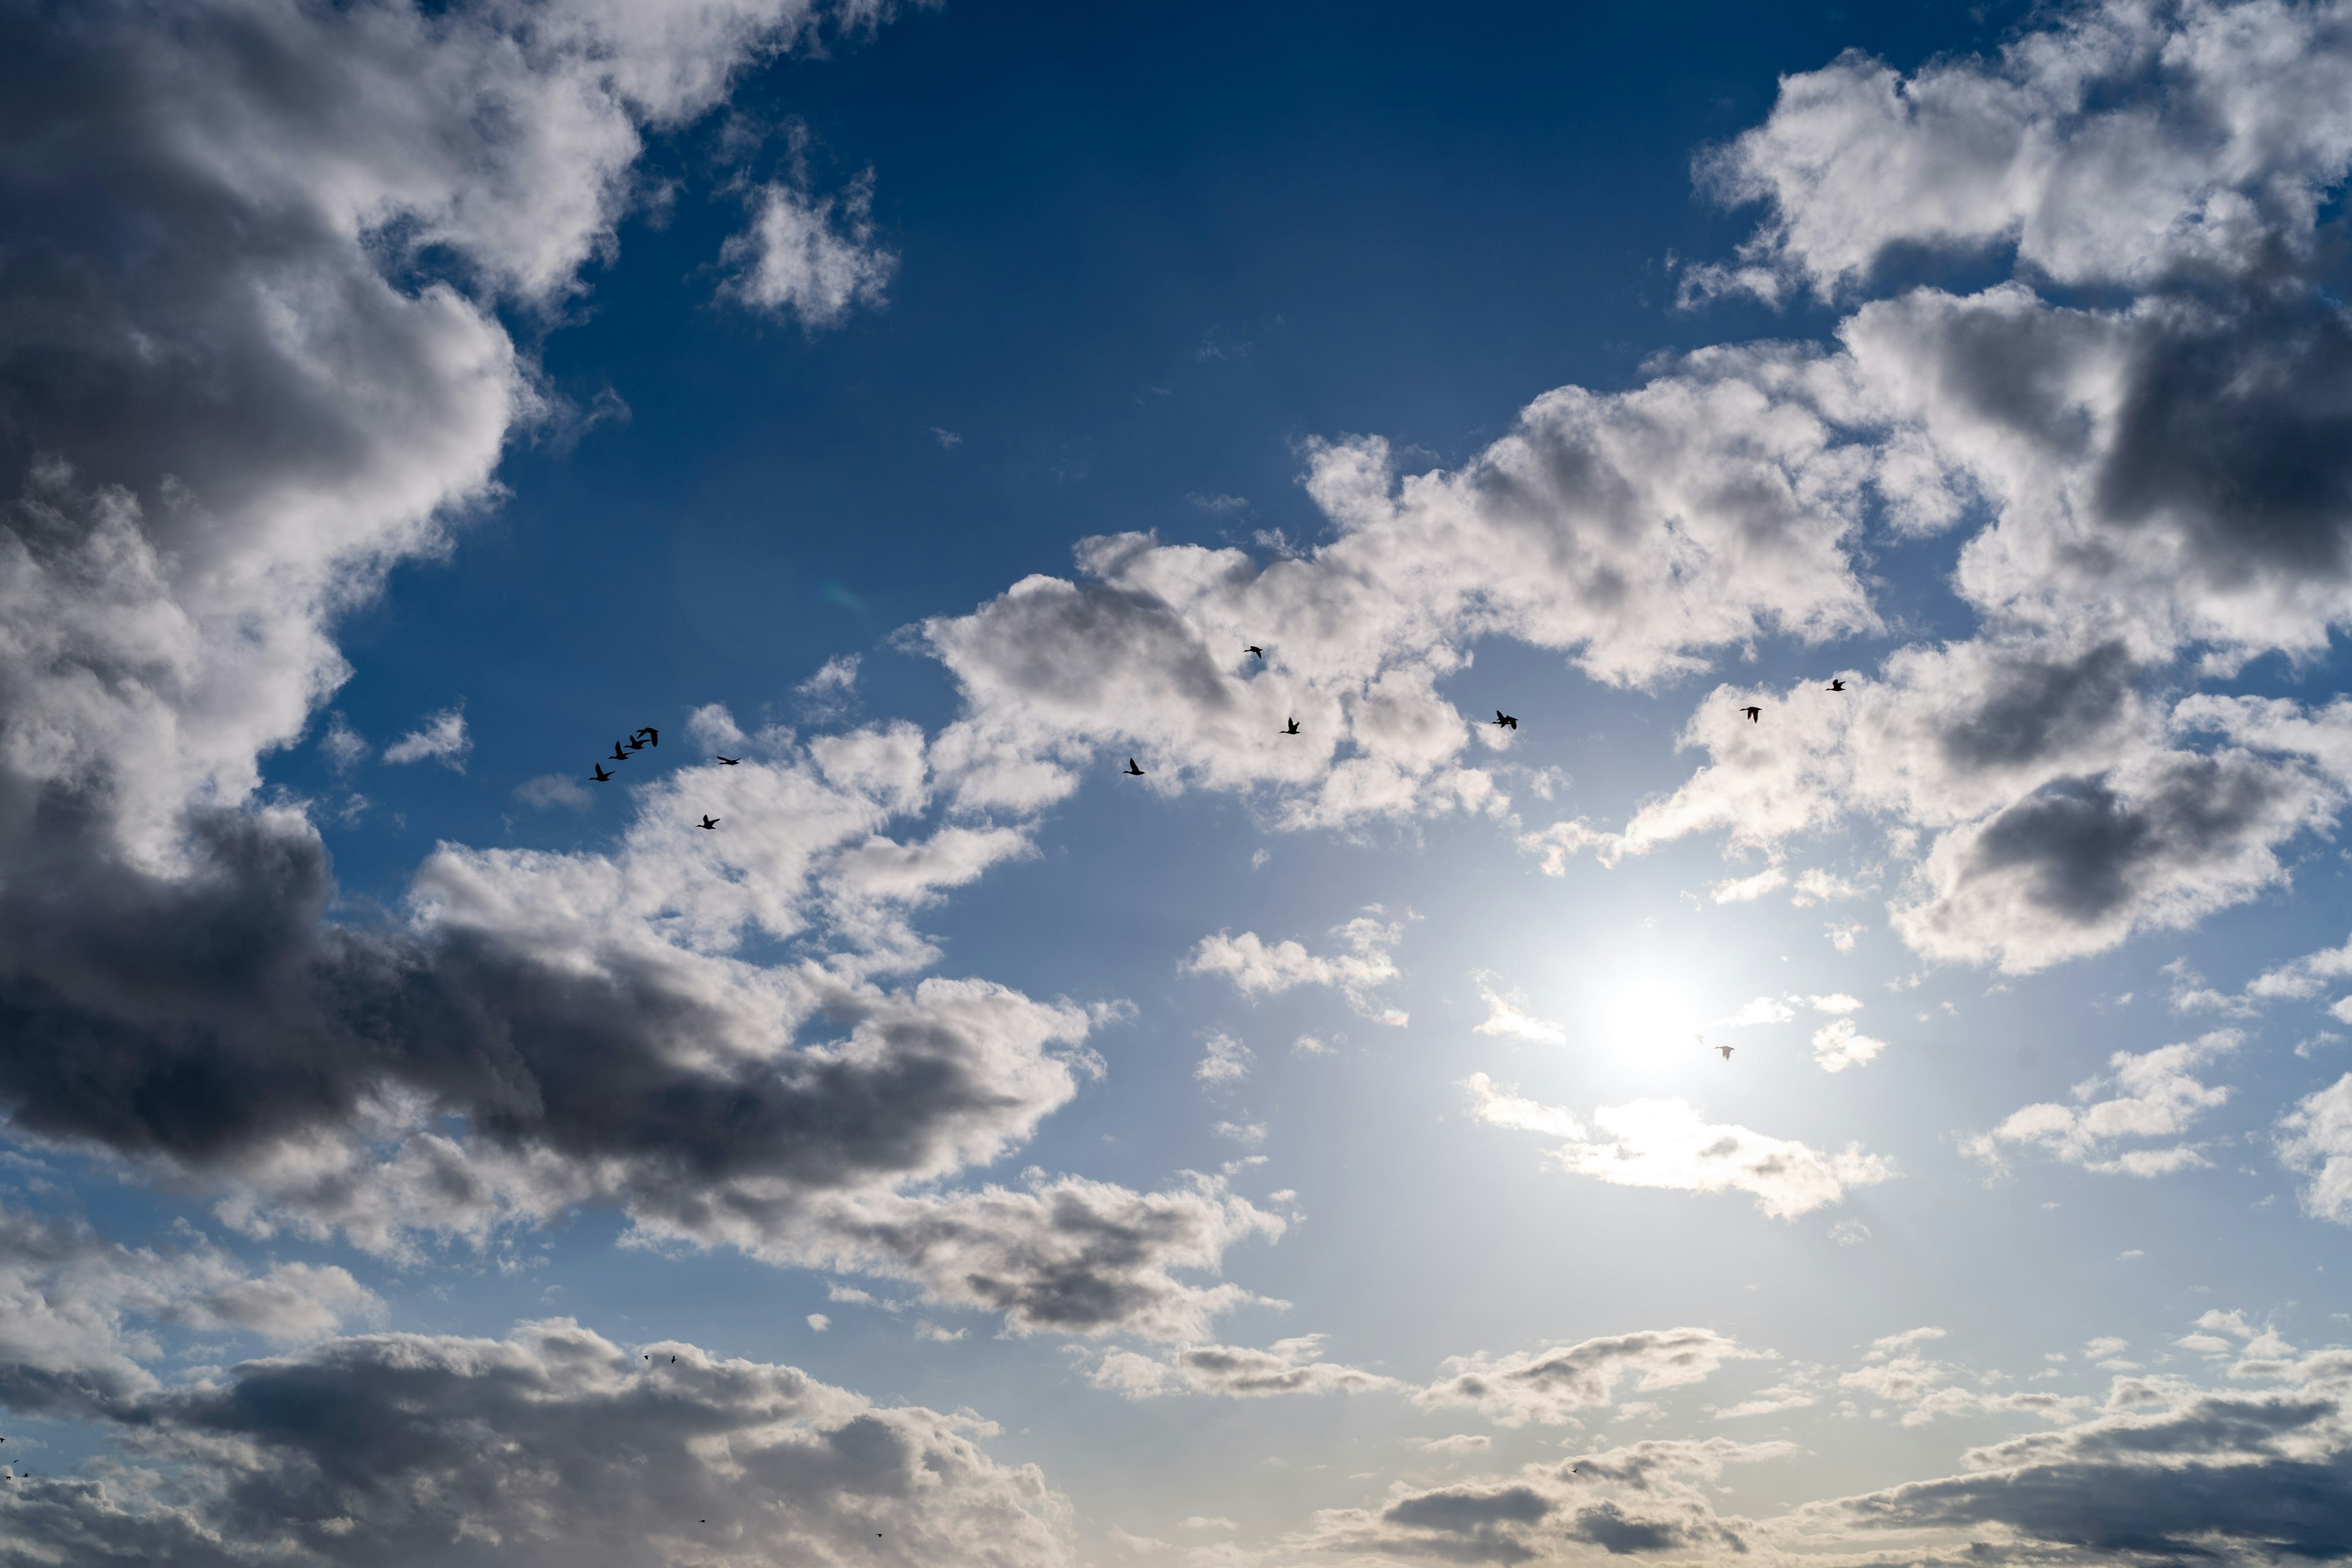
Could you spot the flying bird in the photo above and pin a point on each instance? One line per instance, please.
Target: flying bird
(650, 733)
(707, 822)
(1837, 683)
(1292, 729)
(731, 762)
(1132, 771)
(619, 755)
(1505, 721)
(600, 775)
(635, 744)
(1755, 715)
(1726, 1050)
(1255, 651)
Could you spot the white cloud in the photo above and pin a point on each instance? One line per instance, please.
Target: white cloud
(827, 694)
(1838, 1045)
(1819, 887)
(1927, 1389)
(442, 738)
(1497, 1108)
(1507, 1018)
(819, 1322)
(2316, 1138)
(1748, 890)
(1259, 969)
(1756, 1010)
(2156, 1097)
(548, 791)
(1549, 1385)
(295, 1301)
(343, 746)
(812, 260)
(2302, 978)
(1458, 1443)
(2056, 148)
(1634, 531)
(1665, 1143)
(1225, 1060)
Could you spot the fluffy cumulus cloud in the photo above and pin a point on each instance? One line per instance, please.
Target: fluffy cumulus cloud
(1666, 1143)
(552, 1445)
(2123, 145)
(812, 260)
(1550, 1385)
(1633, 531)
(2156, 1096)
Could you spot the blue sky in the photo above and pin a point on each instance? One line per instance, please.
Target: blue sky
(1316, 1150)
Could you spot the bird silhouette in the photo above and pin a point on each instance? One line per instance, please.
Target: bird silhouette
(1837, 683)
(635, 744)
(651, 735)
(1505, 721)
(600, 775)
(1726, 1050)
(707, 822)
(1755, 715)
(619, 755)
(731, 762)
(1255, 651)
(1132, 771)
(1292, 729)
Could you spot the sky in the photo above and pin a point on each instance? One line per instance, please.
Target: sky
(1858, 1072)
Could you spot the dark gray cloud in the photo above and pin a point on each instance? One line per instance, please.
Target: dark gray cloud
(2171, 1473)
(551, 1446)
(1645, 1497)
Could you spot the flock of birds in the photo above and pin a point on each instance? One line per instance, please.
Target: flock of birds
(649, 736)
(1501, 720)
(638, 741)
